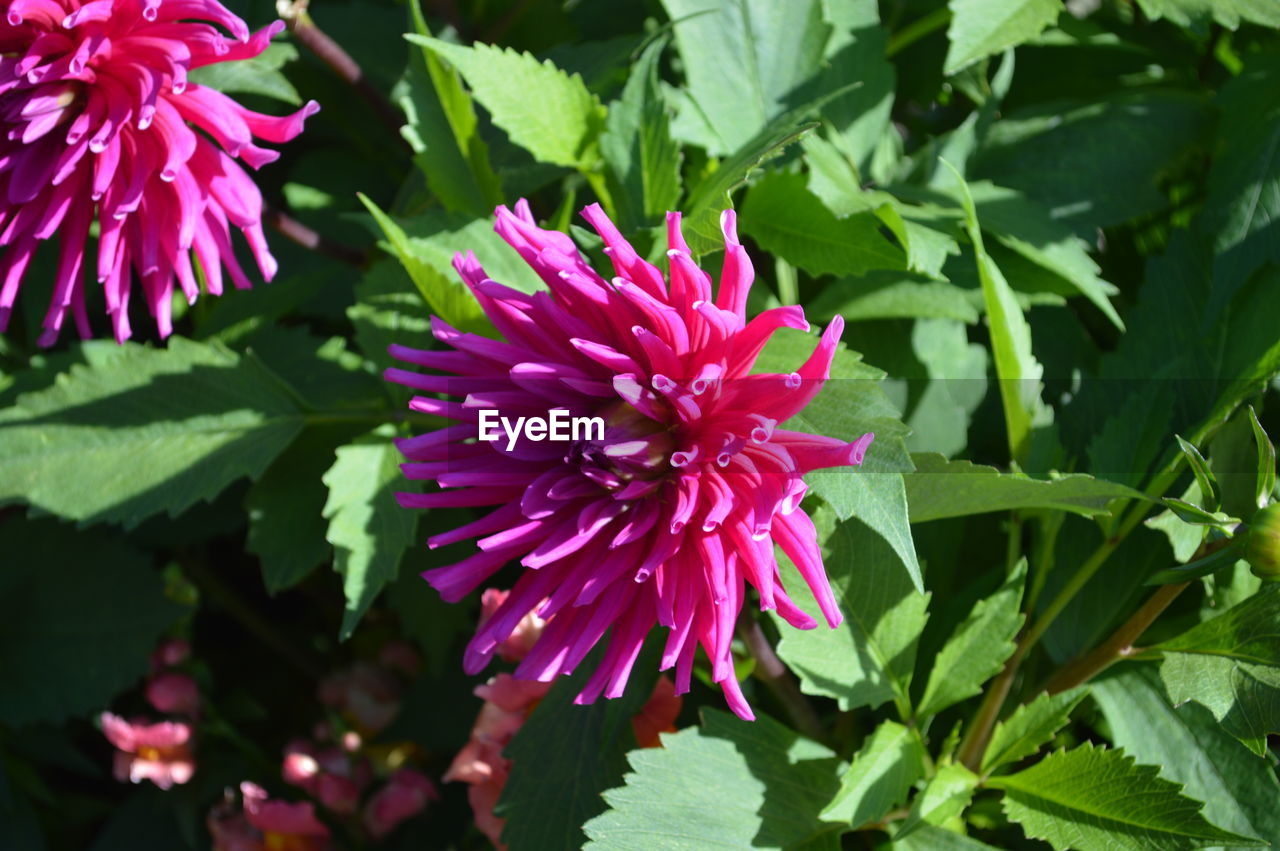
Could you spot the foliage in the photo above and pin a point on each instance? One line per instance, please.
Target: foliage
(1053, 231)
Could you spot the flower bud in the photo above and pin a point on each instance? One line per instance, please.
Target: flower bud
(1262, 549)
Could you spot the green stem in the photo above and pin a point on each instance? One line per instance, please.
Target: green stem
(917, 30)
(788, 282)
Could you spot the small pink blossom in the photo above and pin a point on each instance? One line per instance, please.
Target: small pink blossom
(365, 694)
(405, 795)
(173, 692)
(169, 654)
(280, 821)
(158, 752)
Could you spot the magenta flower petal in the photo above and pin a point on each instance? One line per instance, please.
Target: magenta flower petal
(664, 516)
(102, 124)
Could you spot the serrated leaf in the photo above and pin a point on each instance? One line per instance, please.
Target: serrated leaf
(980, 28)
(726, 783)
(788, 221)
(745, 60)
(1094, 799)
(883, 770)
(367, 527)
(978, 648)
(1017, 370)
(565, 756)
(443, 131)
(1239, 790)
(80, 613)
(940, 488)
(1231, 665)
(1030, 727)
(642, 158)
(547, 112)
(1198, 13)
(868, 659)
(147, 431)
(943, 798)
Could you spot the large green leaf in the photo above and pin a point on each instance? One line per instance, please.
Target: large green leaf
(940, 488)
(1029, 727)
(1017, 370)
(892, 295)
(868, 659)
(1231, 665)
(146, 431)
(980, 28)
(1097, 163)
(544, 110)
(1199, 13)
(726, 783)
(744, 61)
(367, 527)
(566, 755)
(1094, 799)
(642, 158)
(1240, 791)
(443, 131)
(882, 772)
(80, 613)
(978, 648)
(856, 51)
(787, 220)
(956, 373)
(1243, 207)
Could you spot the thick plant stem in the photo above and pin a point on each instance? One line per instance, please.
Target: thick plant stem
(1119, 645)
(339, 61)
(774, 674)
(975, 739)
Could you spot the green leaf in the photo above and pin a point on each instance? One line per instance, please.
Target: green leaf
(1094, 163)
(745, 61)
(868, 659)
(1031, 725)
(1027, 228)
(1243, 207)
(856, 51)
(548, 113)
(1266, 479)
(943, 798)
(1198, 13)
(726, 783)
(1239, 790)
(883, 771)
(787, 220)
(443, 131)
(80, 613)
(388, 310)
(148, 430)
(1017, 369)
(930, 838)
(258, 75)
(642, 158)
(892, 295)
(566, 755)
(367, 527)
(1211, 563)
(1200, 469)
(1091, 798)
(1231, 666)
(940, 488)
(980, 28)
(956, 384)
(978, 648)
(1195, 515)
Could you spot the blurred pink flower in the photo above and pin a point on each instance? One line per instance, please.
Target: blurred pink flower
(365, 694)
(517, 645)
(400, 656)
(666, 517)
(331, 775)
(103, 124)
(284, 825)
(169, 654)
(405, 795)
(173, 692)
(158, 752)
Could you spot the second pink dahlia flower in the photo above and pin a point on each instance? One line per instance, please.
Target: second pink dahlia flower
(668, 515)
(101, 124)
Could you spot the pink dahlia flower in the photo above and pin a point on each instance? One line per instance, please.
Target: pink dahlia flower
(102, 124)
(668, 515)
(159, 752)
